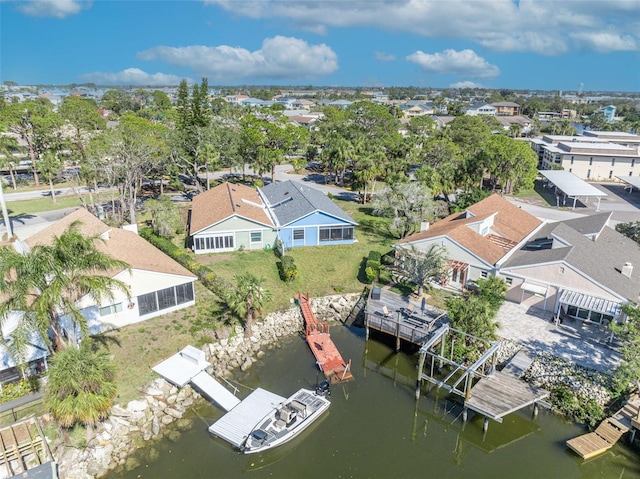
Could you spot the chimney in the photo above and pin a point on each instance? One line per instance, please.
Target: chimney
(424, 226)
(627, 269)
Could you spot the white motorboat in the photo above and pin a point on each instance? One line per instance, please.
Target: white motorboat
(287, 420)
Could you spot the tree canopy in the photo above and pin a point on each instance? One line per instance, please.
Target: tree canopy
(46, 282)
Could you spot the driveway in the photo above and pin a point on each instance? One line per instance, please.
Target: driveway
(534, 329)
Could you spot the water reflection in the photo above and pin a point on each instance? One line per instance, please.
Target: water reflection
(376, 429)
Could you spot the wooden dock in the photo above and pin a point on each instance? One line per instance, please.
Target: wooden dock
(501, 393)
(608, 432)
(393, 314)
(329, 359)
(24, 451)
(484, 390)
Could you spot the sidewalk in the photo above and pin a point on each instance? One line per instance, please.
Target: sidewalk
(535, 330)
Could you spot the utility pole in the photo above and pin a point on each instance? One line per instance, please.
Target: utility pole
(5, 214)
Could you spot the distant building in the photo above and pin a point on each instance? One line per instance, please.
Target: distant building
(506, 108)
(480, 108)
(609, 112)
(592, 156)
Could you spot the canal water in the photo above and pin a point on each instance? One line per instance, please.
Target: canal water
(375, 428)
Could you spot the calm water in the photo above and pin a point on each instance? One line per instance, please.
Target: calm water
(376, 429)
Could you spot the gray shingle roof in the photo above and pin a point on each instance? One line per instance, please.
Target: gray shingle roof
(601, 260)
(290, 201)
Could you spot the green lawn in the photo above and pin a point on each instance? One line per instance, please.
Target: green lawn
(323, 270)
(39, 205)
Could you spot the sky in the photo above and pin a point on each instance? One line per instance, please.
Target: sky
(568, 45)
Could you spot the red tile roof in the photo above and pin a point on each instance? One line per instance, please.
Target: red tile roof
(120, 244)
(224, 201)
(510, 226)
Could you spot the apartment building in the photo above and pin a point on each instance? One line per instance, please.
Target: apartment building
(591, 157)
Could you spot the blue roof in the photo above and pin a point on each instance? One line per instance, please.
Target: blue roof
(291, 201)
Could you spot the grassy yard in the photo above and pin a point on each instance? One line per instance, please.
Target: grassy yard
(138, 347)
(39, 205)
(323, 270)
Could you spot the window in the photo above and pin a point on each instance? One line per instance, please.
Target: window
(147, 303)
(484, 274)
(590, 161)
(610, 174)
(572, 160)
(215, 242)
(336, 233)
(570, 170)
(111, 309)
(184, 293)
(508, 280)
(298, 235)
(165, 298)
(633, 162)
(588, 173)
(613, 162)
(256, 237)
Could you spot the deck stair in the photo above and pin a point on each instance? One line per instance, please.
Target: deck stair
(608, 432)
(357, 312)
(335, 369)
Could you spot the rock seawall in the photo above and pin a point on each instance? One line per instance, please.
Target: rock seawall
(144, 420)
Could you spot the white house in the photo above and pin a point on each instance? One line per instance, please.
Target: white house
(157, 283)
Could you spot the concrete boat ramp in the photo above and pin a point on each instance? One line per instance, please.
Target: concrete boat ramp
(189, 366)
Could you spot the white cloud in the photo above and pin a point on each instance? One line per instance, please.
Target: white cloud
(452, 62)
(465, 84)
(279, 57)
(384, 57)
(52, 8)
(606, 42)
(132, 76)
(542, 26)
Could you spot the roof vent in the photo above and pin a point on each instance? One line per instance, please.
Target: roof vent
(627, 269)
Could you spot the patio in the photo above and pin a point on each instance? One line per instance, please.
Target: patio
(574, 341)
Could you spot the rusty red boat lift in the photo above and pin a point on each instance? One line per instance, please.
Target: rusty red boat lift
(328, 358)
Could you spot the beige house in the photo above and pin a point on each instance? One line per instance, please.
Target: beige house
(477, 239)
(230, 217)
(579, 268)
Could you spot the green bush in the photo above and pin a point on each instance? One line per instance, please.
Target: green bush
(567, 403)
(371, 274)
(374, 268)
(375, 256)
(388, 259)
(287, 269)
(277, 248)
(19, 388)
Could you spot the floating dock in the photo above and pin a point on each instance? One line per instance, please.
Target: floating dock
(608, 432)
(237, 424)
(335, 369)
(188, 366)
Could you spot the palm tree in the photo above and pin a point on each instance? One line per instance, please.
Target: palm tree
(80, 387)
(46, 283)
(247, 299)
(422, 266)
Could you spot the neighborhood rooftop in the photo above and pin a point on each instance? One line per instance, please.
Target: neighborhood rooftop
(290, 201)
